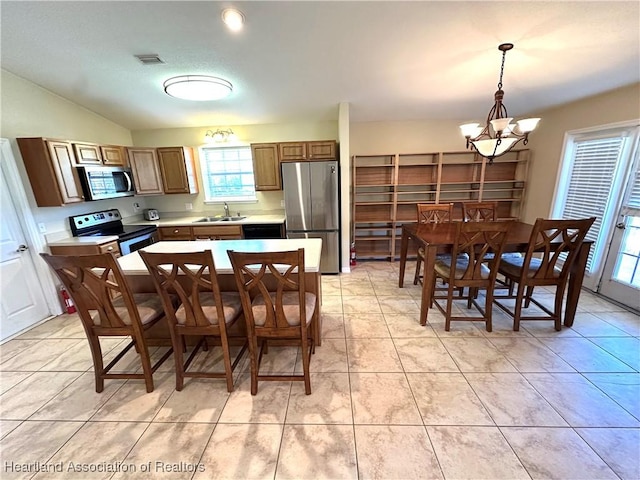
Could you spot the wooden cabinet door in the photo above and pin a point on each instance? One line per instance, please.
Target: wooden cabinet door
(113, 155)
(87, 154)
(266, 166)
(321, 150)
(62, 160)
(177, 169)
(146, 173)
(292, 151)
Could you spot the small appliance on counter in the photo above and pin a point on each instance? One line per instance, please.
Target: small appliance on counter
(151, 214)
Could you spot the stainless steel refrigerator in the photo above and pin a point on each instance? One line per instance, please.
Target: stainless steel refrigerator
(311, 207)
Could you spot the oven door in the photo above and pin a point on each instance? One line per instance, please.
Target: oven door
(136, 243)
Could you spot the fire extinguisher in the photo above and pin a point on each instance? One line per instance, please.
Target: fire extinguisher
(66, 299)
(353, 254)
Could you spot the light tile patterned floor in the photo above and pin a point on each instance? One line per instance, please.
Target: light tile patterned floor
(391, 399)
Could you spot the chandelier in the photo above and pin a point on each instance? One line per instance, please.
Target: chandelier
(498, 135)
(220, 136)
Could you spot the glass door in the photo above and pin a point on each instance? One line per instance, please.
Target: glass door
(621, 273)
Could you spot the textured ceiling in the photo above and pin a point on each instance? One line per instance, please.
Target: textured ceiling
(296, 61)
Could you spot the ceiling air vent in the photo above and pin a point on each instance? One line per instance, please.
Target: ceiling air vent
(150, 59)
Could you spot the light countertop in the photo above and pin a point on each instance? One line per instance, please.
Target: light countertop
(192, 221)
(73, 241)
(132, 264)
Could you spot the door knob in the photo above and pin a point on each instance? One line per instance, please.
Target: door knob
(22, 248)
(621, 225)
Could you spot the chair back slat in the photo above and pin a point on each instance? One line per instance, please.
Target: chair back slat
(434, 213)
(479, 211)
(186, 275)
(555, 243)
(477, 240)
(95, 282)
(268, 277)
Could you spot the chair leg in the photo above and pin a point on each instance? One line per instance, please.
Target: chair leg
(517, 312)
(227, 362)
(488, 309)
(98, 365)
(146, 365)
(416, 277)
(305, 364)
(557, 308)
(447, 321)
(178, 355)
(253, 352)
(527, 297)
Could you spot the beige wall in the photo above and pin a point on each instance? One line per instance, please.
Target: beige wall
(194, 137)
(547, 141)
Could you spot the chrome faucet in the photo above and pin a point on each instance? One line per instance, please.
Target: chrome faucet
(226, 210)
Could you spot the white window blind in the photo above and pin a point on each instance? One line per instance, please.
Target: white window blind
(593, 168)
(632, 204)
(227, 174)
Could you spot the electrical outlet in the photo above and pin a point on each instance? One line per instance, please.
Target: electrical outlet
(42, 227)
(188, 206)
(136, 207)
(282, 203)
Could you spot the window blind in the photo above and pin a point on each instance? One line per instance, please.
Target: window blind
(590, 186)
(227, 174)
(632, 204)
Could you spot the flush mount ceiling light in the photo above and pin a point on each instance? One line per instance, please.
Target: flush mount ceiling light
(498, 135)
(234, 19)
(198, 87)
(219, 136)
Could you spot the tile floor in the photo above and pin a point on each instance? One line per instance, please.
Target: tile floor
(391, 399)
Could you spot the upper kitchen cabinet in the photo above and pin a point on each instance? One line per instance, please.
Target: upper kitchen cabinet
(113, 155)
(50, 167)
(92, 154)
(146, 171)
(307, 151)
(178, 169)
(266, 166)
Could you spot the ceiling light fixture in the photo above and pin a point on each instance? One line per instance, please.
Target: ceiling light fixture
(234, 19)
(197, 87)
(220, 136)
(499, 135)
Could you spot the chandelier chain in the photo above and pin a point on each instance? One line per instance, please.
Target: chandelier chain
(504, 56)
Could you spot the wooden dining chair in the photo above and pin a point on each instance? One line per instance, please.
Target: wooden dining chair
(107, 307)
(474, 264)
(204, 312)
(553, 248)
(479, 211)
(431, 213)
(276, 307)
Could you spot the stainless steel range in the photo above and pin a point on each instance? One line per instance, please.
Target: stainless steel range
(109, 222)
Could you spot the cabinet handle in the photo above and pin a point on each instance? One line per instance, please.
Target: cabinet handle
(176, 231)
(109, 249)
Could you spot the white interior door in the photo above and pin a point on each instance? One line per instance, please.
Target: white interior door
(22, 300)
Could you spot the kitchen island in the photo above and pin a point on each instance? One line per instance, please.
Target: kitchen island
(140, 281)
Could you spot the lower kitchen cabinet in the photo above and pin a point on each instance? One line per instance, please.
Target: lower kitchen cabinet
(217, 232)
(174, 233)
(86, 249)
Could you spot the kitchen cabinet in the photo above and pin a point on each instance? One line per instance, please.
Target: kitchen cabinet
(177, 169)
(174, 233)
(113, 155)
(87, 154)
(266, 166)
(217, 232)
(307, 151)
(86, 249)
(387, 188)
(50, 165)
(146, 171)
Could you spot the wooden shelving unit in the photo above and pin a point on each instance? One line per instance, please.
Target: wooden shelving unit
(386, 189)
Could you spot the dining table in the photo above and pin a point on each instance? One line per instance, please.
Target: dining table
(439, 238)
(139, 279)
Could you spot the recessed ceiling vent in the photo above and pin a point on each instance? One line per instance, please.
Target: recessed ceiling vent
(150, 59)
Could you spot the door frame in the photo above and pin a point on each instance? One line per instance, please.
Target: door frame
(29, 227)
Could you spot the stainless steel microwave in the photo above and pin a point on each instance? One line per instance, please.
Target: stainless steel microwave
(100, 183)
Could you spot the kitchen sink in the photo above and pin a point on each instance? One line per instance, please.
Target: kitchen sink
(219, 219)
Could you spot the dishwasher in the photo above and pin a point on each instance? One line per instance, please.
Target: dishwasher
(266, 230)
